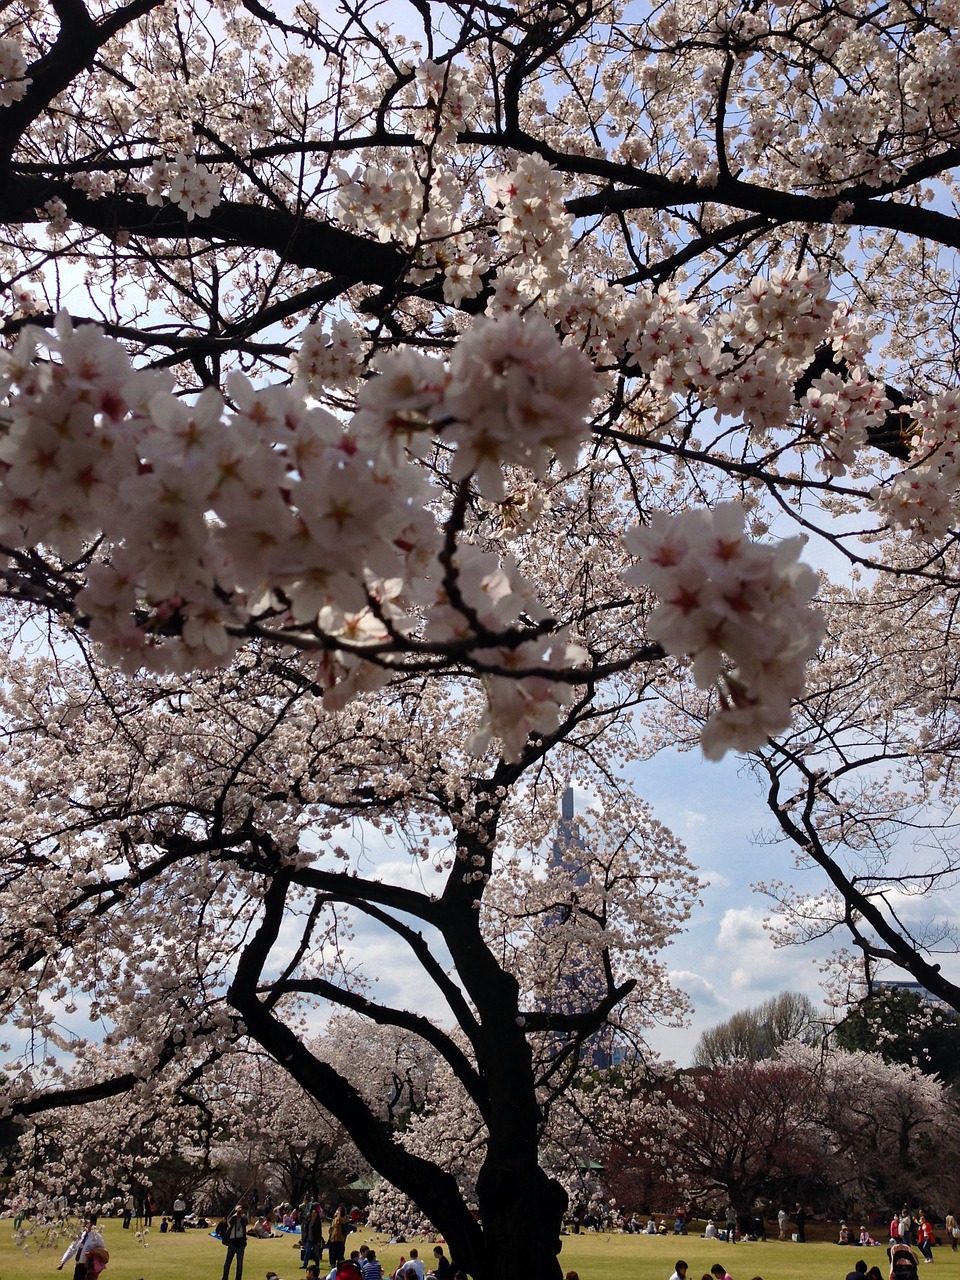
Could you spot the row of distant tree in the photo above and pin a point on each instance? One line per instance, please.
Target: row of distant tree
(851, 1119)
(780, 1108)
(896, 1022)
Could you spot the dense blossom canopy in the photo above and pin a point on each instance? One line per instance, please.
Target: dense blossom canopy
(403, 410)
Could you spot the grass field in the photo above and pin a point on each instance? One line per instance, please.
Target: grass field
(195, 1256)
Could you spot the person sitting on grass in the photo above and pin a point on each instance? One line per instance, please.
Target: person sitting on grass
(680, 1272)
(720, 1272)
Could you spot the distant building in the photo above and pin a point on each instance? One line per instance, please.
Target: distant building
(916, 988)
(568, 839)
(581, 985)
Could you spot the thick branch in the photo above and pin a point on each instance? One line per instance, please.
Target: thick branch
(303, 242)
(582, 1023)
(76, 47)
(432, 1188)
(420, 1026)
(98, 1091)
(356, 890)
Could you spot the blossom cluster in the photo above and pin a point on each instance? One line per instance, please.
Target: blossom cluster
(747, 363)
(214, 517)
(210, 517)
(740, 609)
(389, 202)
(840, 412)
(923, 498)
(401, 204)
(534, 226)
(328, 359)
(189, 184)
(743, 363)
(14, 81)
(510, 394)
(448, 105)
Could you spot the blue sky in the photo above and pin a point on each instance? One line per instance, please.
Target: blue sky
(725, 959)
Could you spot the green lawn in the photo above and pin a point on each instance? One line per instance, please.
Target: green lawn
(195, 1256)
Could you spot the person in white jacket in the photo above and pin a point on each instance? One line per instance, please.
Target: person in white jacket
(79, 1252)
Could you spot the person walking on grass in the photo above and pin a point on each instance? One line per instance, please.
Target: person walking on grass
(235, 1238)
(81, 1249)
(953, 1231)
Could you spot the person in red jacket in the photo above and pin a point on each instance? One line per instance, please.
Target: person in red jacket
(926, 1237)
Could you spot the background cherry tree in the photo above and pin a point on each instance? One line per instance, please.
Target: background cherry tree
(404, 410)
(844, 1131)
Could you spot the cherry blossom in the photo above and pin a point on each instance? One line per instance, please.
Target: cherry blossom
(400, 413)
(739, 609)
(14, 81)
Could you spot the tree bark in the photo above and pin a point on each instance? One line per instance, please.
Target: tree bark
(520, 1207)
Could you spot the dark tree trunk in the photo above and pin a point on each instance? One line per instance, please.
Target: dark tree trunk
(520, 1207)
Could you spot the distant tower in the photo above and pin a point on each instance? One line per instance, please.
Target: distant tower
(568, 838)
(581, 985)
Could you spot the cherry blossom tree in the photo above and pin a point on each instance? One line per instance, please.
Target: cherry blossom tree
(888, 1128)
(813, 1124)
(206, 881)
(393, 412)
(738, 1132)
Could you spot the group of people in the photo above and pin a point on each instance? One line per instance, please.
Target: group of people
(734, 1226)
(907, 1231)
(865, 1240)
(363, 1264)
(751, 1226)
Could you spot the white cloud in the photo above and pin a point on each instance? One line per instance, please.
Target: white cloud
(752, 962)
(701, 990)
(729, 966)
(710, 878)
